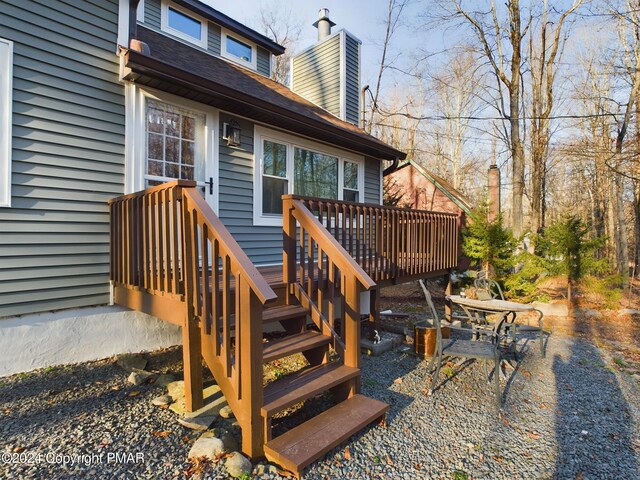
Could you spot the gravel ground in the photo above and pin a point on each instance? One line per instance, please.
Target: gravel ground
(572, 415)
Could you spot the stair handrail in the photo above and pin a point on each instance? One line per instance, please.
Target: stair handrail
(326, 272)
(311, 224)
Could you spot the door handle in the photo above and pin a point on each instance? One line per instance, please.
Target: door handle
(210, 183)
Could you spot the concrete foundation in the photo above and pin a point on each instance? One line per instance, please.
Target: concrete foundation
(56, 338)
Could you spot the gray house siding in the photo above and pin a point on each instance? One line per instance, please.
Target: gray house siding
(152, 13)
(316, 74)
(372, 168)
(264, 62)
(262, 244)
(214, 33)
(67, 157)
(352, 81)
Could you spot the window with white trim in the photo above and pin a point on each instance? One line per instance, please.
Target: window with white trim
(289, 165)
(6, 98)
(174, 143)
(238, 50)
(184, 24)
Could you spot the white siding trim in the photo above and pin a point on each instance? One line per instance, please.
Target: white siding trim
(260, 133)
(6, 120)
(123, 23)
(343, 76)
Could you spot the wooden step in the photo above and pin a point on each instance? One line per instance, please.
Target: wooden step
(304, 384)
(300, 342)
(300, 446)
(277, 314)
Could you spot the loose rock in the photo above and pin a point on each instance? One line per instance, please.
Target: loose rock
(226, 412)
(208, 447)
(162, 400)
(176, 389)
(238, 465)
(200, 422)
(230, 442)
(139, 377)
(131, 362)
(165, 379)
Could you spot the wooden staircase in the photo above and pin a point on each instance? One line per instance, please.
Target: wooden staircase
(293, 450)
(163, 239)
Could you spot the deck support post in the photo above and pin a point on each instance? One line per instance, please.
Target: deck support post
(352, 289)
(250, 372)
(288, 249)
(374, 310)
(192, 360)
(447, 291)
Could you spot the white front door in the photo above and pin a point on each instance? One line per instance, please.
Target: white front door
(176, 147)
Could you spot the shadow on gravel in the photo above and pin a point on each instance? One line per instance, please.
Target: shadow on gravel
(594, 427)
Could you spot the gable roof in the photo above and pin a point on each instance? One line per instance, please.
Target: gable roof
(186, 71)
(441, 184)
(229, 23)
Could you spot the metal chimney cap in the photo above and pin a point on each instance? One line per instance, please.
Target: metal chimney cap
(323, 14)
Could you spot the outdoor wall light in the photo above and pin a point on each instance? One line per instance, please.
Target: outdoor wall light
(231, 133)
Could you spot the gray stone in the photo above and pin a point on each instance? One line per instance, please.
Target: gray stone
(165, 379)
(552, 309)
(131, 362)
(208, 447)
(230, 442)
(138, 377)
(388, 341)
(628, 311)
(226, 412)
(176, 389)
(238, 465)
(162, 400)
(197, 422)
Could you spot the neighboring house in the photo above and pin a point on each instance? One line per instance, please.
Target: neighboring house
(149, 162)
(412, 185)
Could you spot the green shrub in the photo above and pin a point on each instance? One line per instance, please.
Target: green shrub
(490, 244)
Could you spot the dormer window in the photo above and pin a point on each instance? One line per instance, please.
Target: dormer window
(238, 50)
(184, 24)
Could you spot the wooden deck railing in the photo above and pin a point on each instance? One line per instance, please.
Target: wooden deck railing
(324, 277)
(167, 242)
(390, 244)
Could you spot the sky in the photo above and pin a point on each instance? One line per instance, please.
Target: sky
(363, 18)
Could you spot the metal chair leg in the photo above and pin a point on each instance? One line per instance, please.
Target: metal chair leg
(496, 379)
(434, 380)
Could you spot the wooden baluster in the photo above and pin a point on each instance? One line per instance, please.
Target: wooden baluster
(310, 268)
(331, 313)
(206, 319)
(226, 314)
(301, 257)
(216, 307)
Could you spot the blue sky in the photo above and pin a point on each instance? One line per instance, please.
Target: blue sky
(364, 19)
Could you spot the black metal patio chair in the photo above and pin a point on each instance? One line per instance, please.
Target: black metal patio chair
(484, 347)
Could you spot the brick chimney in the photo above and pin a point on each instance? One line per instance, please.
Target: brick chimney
(494, 193)
(328, 72)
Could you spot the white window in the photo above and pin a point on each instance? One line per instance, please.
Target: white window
(289, 165)
(184, 24)
(6, 90)
(174, 143)
(238, 50)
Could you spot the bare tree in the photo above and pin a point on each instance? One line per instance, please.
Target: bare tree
(544, 54)
(279, 24)
(500, 42)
